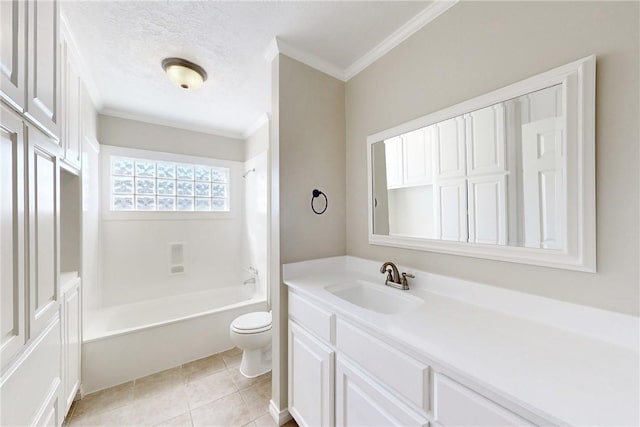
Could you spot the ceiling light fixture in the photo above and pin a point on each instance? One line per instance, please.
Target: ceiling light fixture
(183, 73)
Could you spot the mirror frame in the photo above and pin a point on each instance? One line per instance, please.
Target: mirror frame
(578, 88)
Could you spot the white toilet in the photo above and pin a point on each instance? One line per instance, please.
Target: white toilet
(251, 332)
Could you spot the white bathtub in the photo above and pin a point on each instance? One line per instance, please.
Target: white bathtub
(125, 342)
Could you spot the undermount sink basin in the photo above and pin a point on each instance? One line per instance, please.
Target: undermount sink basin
(378, 298)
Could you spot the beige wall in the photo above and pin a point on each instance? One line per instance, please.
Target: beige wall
(307, 151)
(477, 47)
(147, 136)
(312, 155)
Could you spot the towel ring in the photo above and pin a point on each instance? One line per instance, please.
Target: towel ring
(317, 193)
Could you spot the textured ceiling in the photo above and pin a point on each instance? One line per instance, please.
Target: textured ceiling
(123, 42)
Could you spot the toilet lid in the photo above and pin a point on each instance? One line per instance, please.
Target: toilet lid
(252, 321)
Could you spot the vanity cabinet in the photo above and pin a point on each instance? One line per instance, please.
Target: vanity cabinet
(375, 383)
(311, 364)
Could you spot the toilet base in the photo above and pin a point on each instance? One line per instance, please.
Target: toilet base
(255, 362)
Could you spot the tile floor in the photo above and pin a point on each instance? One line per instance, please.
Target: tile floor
(206, 392)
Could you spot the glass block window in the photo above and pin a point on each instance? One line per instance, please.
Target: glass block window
(148, 185)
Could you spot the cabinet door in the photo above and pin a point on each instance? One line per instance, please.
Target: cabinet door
(12, 56)
(311, 370)
(71, 344)
(417, 156)
(71, 87)
(488, 209)
(456, 405)
(485, 137)
(449, 148)
(450, 204)
(543, 182)
(12, 264)
(43, 230)
(361, 402)
(393, 153)
(43, 91)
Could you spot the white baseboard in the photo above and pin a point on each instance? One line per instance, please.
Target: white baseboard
(279, 416)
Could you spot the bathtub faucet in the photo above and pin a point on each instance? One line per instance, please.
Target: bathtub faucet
(254, 276)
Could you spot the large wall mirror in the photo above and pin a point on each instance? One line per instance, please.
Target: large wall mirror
(509, 175)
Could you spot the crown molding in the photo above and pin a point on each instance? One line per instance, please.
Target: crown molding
(272, 50)
(428, 14)
(277, 46)
(168, 122)
(264, 118)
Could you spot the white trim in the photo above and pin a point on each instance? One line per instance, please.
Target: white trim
(169, 122)
(272, 50)
(428, 14)
(279, 417)
(264, 118)
(306, 58)
(578, 81)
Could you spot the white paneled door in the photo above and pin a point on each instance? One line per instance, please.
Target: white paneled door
(543, 182)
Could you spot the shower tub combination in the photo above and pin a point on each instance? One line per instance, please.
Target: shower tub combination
(124, 342)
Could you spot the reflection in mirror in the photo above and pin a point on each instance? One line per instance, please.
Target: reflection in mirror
(496, 175)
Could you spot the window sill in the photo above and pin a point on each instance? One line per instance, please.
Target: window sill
(164, 216)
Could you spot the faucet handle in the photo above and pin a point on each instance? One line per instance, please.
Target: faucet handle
(405, 283)
(389, 275)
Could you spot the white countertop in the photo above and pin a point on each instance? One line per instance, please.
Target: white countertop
(559, 374)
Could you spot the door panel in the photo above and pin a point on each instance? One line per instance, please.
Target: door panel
(449, 146)
(360, 402)
(12, 55)
(43, 104)
(311, 367)
(417, 158)
(544, 184)
(451, 209)
(485, 133)
(487, 210)
(12, 267)
(43, 229)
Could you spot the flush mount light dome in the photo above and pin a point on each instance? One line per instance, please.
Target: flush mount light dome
(183, 73)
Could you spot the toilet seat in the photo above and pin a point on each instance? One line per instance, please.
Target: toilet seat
(252, 323)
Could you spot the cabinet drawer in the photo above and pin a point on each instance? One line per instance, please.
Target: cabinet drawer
(313, 318)
(403, 374)
(361, 402)
(457, 405)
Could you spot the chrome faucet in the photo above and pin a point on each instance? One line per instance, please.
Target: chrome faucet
(393, 276)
